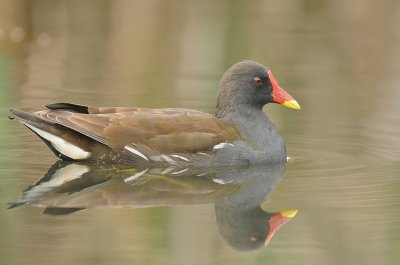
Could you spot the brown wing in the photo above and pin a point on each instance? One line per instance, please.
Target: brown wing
(164, 130)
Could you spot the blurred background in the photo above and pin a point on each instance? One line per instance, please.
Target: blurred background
(339, 59)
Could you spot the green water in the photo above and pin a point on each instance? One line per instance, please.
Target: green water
(340, 60)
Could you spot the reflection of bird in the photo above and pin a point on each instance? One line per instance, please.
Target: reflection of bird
(246, 229)
(239, 133)
(241, 221)
(237, 193)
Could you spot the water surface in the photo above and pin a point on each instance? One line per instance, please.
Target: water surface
(340, 60)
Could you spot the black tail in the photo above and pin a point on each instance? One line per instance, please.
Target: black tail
(69, 107)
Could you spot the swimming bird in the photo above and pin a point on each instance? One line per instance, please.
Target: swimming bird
(239, 133)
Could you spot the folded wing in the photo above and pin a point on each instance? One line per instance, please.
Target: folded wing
(165, 130)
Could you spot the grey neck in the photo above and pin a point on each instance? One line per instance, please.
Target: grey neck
(258, 131)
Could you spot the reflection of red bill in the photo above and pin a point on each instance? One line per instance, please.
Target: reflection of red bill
(281, 96)
(278, 220)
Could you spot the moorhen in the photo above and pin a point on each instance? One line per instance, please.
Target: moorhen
(239, 133)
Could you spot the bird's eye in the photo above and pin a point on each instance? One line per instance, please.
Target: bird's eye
(257, 81)
(254, 238)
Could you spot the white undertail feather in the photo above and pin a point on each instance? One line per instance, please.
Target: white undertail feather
(62, 146)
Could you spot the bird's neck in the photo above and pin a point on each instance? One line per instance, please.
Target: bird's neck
(243, 116)
(257, 129)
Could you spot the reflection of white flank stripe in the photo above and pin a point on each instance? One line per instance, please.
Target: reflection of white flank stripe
(167, 170)
(180, 157)
(62, 146)
(181, 171)
(136, 152)
(221, 145)
(132, 178)
(221, 181)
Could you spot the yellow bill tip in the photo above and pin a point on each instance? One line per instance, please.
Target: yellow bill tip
(293, 104)
(289, 213)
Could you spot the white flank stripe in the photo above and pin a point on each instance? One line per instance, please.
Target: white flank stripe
(132, 178)
(136, 152)
(168, 159)
(62, 146)
(180, 157)
(221, 145)
(155, 158)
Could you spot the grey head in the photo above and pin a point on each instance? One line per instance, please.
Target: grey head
(247, 86)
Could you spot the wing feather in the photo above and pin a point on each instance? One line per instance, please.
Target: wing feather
(164, 130)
